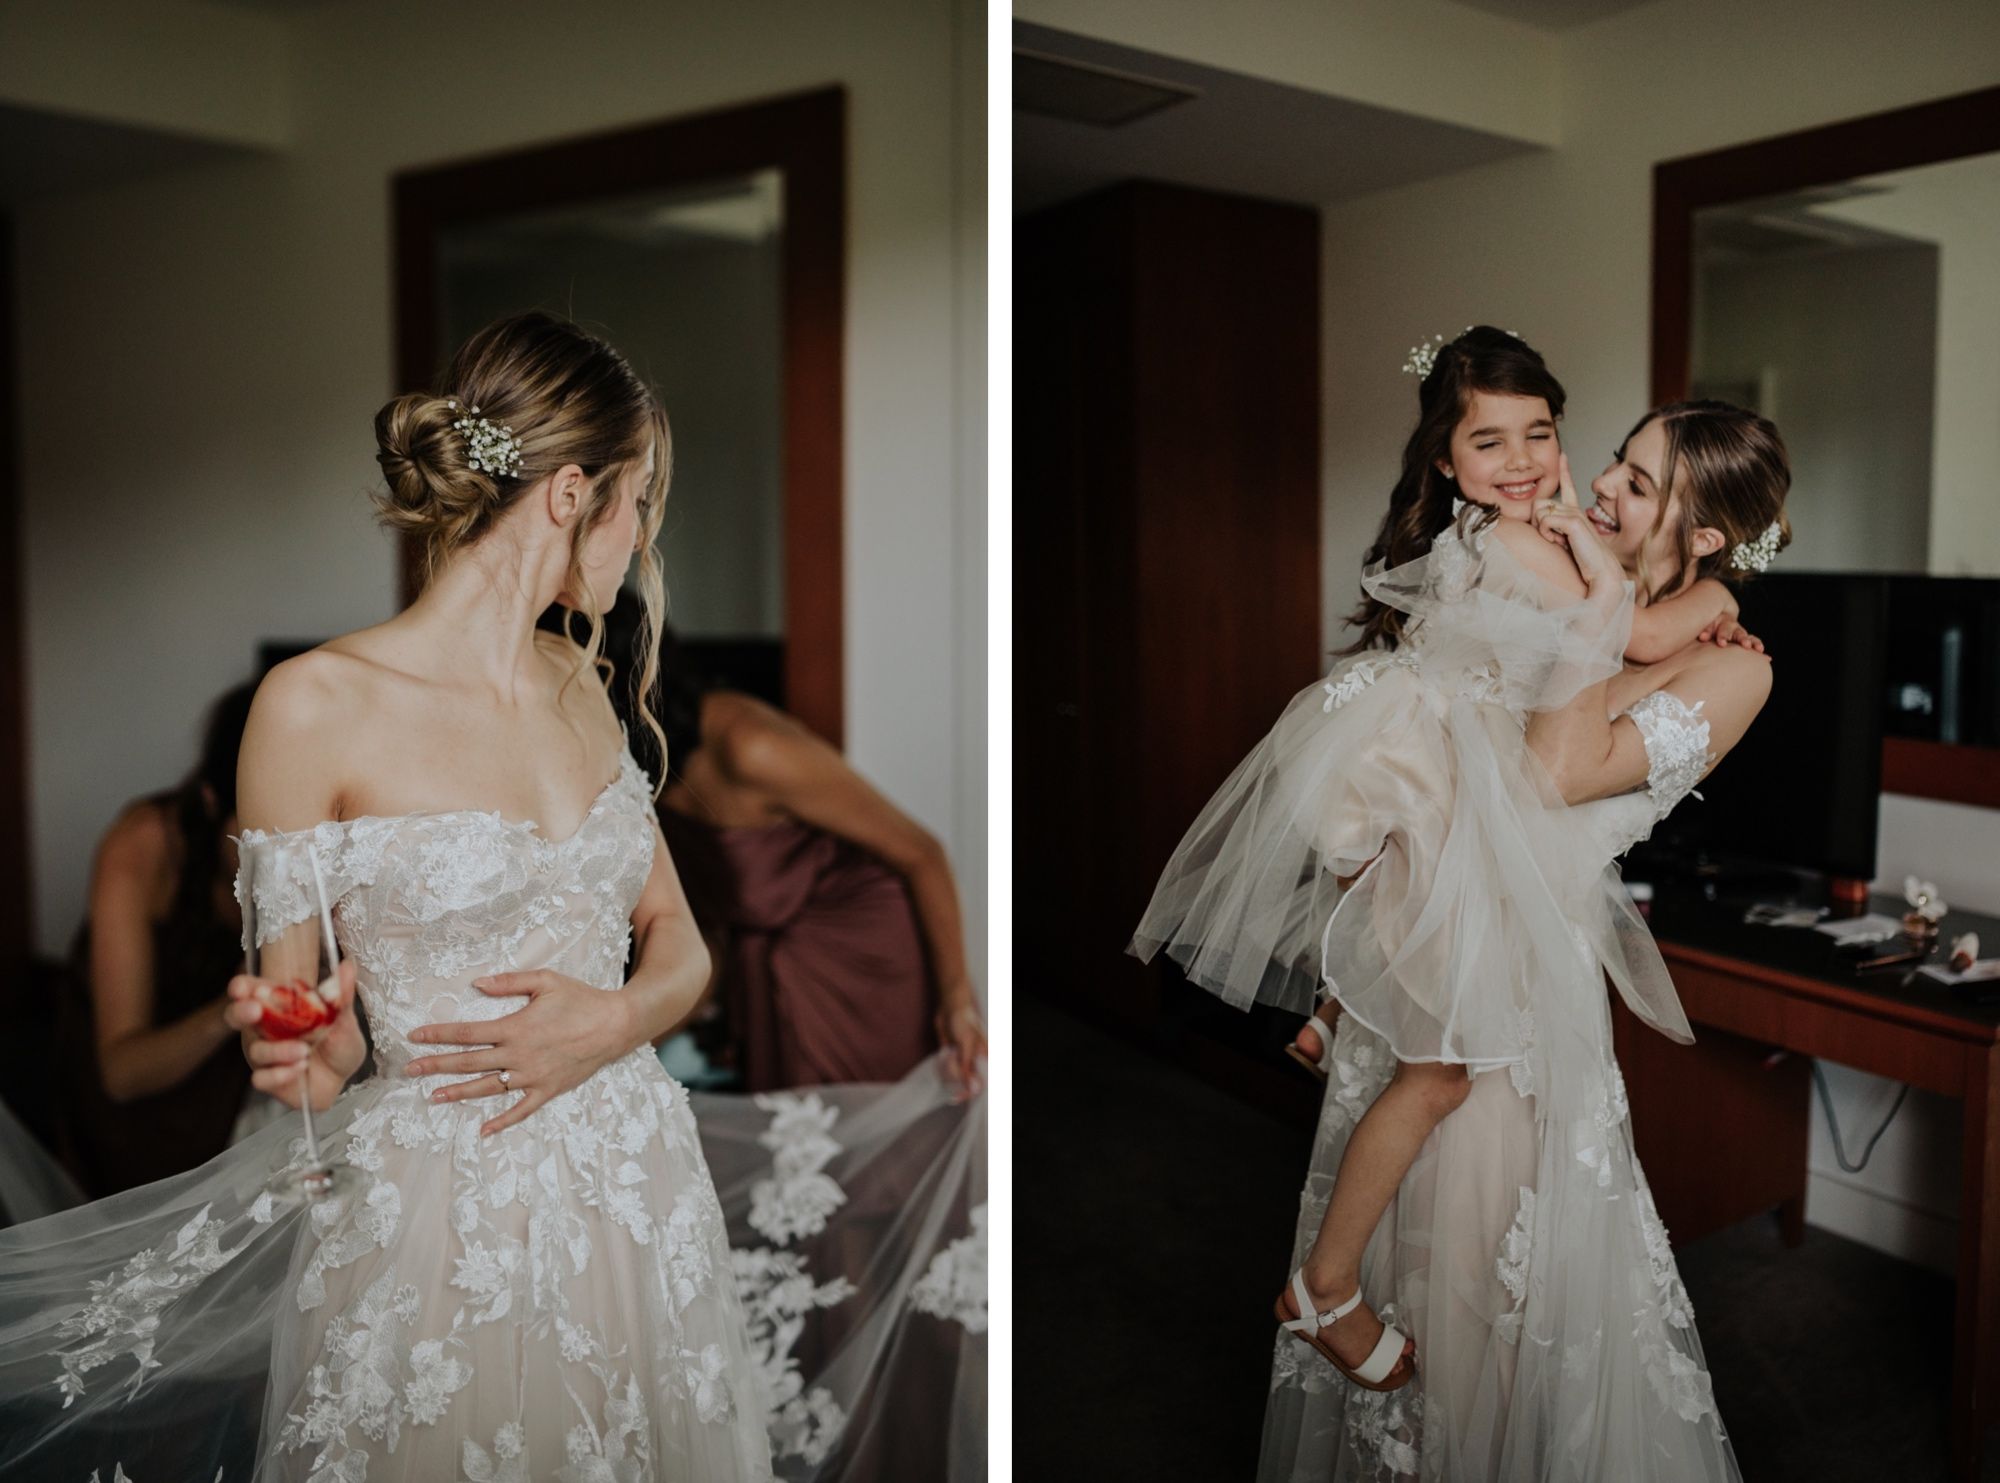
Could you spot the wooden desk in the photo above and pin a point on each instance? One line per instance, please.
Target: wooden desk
(1721, 1128)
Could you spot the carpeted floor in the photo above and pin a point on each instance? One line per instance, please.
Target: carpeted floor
(1153, 1221)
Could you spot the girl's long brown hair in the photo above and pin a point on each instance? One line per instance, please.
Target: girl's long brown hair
(1481, 359)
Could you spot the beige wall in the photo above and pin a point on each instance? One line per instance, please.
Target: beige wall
(202, 354)
(1558, 246)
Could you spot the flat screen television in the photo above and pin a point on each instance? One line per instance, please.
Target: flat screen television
(1801, 790)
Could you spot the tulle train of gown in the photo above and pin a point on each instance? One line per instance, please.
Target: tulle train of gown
(1522, 1251)
(632, 1284)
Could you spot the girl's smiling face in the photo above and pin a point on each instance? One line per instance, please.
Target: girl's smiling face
(1504, 453)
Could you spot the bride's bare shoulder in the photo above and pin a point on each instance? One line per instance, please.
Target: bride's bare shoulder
(1738, 676)
(1729, 684)
(286, 769)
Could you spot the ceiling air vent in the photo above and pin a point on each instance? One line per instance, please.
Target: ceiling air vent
(1087, 94)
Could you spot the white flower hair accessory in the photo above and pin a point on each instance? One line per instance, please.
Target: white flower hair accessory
(1754, 556)
(490, 446)
(1924, 899)
(1423, 357)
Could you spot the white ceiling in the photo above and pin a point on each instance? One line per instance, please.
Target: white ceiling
(1242, 134)
(1554, 15)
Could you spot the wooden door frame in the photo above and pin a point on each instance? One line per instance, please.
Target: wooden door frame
(17, 934)
(803, 136)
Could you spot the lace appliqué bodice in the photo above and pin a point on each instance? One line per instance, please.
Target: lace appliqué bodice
(590, 1232)
(424, 903)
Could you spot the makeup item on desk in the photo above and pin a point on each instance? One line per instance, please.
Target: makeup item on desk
(1927, 909)
(1979, 971)
(1964, 951)
(1890, 960)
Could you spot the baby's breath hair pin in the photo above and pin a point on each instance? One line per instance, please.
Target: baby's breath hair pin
(1754, 556)
(1424, 356)
(490, 446)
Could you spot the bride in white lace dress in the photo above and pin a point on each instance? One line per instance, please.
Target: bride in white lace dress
(533, 1278)
(1429, 838)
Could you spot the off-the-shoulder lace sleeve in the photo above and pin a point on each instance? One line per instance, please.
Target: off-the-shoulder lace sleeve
(275, 873)
(1487, 619)
(1677, 755)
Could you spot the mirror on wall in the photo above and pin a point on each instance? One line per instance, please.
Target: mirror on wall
(1845, 280)
(1861, 315)
(688, 283)
(711, 249)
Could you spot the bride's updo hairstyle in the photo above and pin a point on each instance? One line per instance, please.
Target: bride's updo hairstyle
(1726, 468)
(568, 398)
(1481, 359)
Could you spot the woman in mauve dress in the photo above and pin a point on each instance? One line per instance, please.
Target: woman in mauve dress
(832, 916)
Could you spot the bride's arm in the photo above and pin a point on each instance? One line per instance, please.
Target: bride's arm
(1590, 755)
(287, 778)
(672, 965)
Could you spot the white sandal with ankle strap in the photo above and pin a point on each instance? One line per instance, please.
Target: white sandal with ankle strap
(1322, 1027)
(1372, 1371)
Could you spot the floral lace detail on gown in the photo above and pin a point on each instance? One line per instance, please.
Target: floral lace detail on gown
(558, 1300)
(1676, 737)
(1677, 755)
(592, 1295)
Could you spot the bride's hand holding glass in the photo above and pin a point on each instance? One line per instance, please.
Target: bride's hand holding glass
(278, 1040)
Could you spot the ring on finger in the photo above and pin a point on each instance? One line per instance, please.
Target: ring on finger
(506, 1078)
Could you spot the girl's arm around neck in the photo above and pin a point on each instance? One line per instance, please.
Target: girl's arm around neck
(1662, 629)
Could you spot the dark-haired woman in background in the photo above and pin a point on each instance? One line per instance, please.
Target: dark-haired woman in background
(832, 915)
(156, 1079)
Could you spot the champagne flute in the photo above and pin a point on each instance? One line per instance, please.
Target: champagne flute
(292, 948)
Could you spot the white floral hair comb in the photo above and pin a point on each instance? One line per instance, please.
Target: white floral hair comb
(490, 446)
(1754, 556)
(1423, 357)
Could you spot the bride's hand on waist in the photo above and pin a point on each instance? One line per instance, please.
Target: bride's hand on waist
(564, 1033)
(331, 1057)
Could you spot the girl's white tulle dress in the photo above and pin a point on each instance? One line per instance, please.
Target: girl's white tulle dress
(1522, 1251)
(633, 1284)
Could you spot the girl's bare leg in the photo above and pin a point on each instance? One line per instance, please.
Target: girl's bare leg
(1379, 1153)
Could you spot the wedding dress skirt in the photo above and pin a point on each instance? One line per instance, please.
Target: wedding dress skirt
(630, 1285)
(1480, 922)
